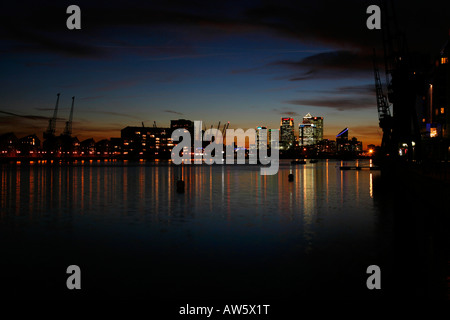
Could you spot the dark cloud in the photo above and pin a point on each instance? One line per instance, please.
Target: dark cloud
(334, 60)
(22, 124)
(338, 103)
(286, 111)
(45, 109)
(31, 26)
(329, 65)
(364, 89)
(27, 116)
(174, 112)
(112, 113)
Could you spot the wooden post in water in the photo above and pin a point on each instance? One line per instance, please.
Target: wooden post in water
(180, 183)
(290, 176)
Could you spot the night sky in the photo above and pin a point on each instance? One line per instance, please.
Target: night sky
(247, 62)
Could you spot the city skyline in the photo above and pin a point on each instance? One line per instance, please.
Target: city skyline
(248, 63)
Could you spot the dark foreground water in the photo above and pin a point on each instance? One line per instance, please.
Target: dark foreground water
(233, 234)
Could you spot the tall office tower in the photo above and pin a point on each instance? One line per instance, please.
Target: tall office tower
(287, 133)
(306, 134)
(342, 141)
(261, 143)
(270, 132)
(310, 130)
(318, 122)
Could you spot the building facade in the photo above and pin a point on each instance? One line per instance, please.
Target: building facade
(261, 143)
(146, 142)
(310, 130)
(287, 137)
(439, 124)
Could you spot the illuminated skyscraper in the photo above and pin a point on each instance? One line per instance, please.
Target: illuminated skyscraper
(310, 130)
(261, 143)
(269, 137)
(287, 133)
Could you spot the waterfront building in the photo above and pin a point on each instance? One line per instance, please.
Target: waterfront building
(342, 141)
(29, 145)
(147, 142)
(182, 124)
(287, 137)
(344, 145)
(9, 144)
(438, 124)
(310, 130)
(259, 142)
(87, 147)
(102, 148)
(326, 147)
(115, 146)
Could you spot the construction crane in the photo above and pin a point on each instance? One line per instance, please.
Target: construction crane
(52, 122)
(68, 128)
(225, 127)
(154, 124)
(224, 131)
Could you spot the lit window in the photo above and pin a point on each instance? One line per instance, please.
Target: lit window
(442, 110)
(433, 132)
(444, 60)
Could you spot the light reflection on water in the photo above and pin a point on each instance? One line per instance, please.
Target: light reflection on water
(228, 215)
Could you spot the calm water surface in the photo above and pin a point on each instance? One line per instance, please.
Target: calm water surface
(233, 233)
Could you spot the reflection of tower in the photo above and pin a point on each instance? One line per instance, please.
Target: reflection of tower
(287, 133)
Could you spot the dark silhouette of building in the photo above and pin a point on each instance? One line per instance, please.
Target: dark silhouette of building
(346, 147)
(29, 145)
(439, 96)
(102, 148)
(115, 146)
(146, 142)
(326, 147)
(87, 147)
(9, 144)
(342, 141)
(182, 124)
